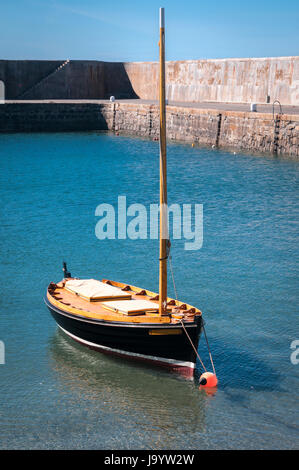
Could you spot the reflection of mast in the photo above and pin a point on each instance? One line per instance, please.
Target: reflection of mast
(163, 175)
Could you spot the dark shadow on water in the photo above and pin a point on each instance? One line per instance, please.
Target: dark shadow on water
(237, 369)
(241, 375)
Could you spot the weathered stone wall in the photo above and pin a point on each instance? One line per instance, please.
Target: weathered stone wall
(139, 119)
(258, 132)
(51, 117)
(192, 125)
(222, 80)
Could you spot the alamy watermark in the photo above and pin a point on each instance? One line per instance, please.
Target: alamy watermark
(138, 222)
(2, 352)
(294, 357)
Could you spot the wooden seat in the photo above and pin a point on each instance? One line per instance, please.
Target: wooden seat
(93, 290)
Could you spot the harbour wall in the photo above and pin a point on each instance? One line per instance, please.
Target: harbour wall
(64, 79)
(247, 80)
(258, 80)
(255, 132)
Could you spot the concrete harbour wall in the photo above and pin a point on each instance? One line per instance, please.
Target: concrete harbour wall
(223, 80)
(258, 132)
(64, 79)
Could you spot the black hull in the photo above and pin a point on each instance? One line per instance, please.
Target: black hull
(133, 340)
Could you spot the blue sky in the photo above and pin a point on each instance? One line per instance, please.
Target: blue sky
(114, 30)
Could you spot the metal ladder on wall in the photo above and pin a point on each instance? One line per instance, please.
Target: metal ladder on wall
(276, 120)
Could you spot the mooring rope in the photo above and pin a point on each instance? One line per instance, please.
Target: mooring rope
(196, 352)
(211, 359)
(173, 281)
(176, 298)
(204, 330)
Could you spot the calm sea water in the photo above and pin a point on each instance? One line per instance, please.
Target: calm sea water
(55, 394)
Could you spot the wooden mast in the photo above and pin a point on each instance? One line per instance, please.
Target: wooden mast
(163, 175)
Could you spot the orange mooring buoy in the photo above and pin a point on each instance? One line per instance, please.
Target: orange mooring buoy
(208, 379)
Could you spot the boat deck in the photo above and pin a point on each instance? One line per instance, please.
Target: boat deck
(74, 304)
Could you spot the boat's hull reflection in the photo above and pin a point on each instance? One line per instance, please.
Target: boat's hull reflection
(161, 400)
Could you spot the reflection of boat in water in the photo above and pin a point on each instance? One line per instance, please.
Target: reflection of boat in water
(124, 320)
(129, 391)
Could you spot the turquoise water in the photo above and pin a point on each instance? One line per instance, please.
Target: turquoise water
(55, 394)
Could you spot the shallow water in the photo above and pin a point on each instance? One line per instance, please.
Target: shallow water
(58, 395)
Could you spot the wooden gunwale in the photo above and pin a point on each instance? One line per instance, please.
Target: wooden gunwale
(75, 305)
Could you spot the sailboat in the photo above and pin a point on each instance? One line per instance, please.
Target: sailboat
(122, 319)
